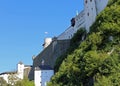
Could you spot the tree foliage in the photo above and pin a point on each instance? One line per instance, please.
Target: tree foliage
(24, 82)
(2, 82)
(16, 82)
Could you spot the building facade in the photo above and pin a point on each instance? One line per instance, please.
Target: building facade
(20, 70)
(85, 18)
(43, 74)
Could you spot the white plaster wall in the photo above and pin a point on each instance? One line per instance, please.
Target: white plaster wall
(20, 72)
(80, 20)
(37, 78)
(92, 8)
(90, 13)
(69, 32)
(41, 77)
(46, 76)
(100, 5)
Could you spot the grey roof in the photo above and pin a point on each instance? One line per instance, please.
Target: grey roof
(44, 67)
(20, 62)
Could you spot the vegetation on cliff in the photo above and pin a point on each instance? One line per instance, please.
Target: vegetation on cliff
(24, 82)
(96, 60)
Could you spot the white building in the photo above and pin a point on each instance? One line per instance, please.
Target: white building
(17, 75)
(20, 70)
(23, 70)
(85, 18)
(42, 75)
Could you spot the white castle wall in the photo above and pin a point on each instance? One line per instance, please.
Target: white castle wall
(37, 77)
(68, 33)
(90, 13)
(80, 21)
(100, 5)
(85, 18)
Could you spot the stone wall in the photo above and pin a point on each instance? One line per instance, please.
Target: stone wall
(50, 54)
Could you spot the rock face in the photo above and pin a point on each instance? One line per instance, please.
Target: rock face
(50, 54)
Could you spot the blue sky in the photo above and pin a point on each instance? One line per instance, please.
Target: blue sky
(23, 24)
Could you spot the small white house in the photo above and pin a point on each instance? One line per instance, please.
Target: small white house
(42, 75)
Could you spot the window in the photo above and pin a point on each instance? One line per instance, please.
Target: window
(92, 8)
(69, 37)
(90, 0)
(73, 22)
(88, 14)
(86, 1)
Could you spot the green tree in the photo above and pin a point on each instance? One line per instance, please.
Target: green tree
(24, 82)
